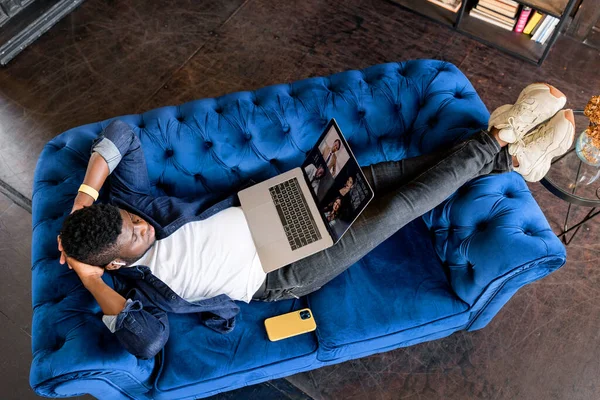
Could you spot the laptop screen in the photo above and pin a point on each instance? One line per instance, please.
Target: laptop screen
(340, 189)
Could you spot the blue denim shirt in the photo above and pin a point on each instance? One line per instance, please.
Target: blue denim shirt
(142, 326)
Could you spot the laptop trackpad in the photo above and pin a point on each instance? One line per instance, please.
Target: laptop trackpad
(265, 225)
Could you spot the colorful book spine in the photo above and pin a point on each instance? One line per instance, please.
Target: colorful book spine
(533, 21)
(549, 31)
(542, 28)
(522, 21)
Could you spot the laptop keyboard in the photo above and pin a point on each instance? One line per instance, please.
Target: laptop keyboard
(298, 222)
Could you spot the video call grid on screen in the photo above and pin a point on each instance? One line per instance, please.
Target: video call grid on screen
(340, 190)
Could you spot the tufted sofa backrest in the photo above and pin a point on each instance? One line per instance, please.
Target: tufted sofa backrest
(387, 112)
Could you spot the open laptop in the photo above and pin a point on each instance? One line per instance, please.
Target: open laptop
(307, 209)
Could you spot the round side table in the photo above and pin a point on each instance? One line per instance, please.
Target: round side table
(575, 182)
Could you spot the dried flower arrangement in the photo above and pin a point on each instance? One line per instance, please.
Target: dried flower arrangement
(592, 111)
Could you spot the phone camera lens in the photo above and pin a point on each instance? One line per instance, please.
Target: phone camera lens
(304, 315)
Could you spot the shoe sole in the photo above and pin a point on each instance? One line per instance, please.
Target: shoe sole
(546, 160)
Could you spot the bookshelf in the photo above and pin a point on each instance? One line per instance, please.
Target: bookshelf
(516, 44)
(430, 10)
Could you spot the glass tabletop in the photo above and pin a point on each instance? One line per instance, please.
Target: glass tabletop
(571, 179)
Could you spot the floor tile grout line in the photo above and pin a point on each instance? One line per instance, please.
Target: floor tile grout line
(144, 103)
(15, 196)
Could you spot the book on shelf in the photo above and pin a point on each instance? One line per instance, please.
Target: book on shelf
(541, 28)
(499, 7)
(496, 12)
(510, 3)
(533, 21)
(498, 17)
(452, 5)
(495, 15)
(549, 30)
(522, 20)
(484, 17)
(538, 26)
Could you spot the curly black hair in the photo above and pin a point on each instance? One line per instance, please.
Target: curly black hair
(90, 234)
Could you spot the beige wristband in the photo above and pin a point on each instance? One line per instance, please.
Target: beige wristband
(89, 191)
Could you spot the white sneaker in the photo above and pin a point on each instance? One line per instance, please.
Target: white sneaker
(536, 150)
(536, 104)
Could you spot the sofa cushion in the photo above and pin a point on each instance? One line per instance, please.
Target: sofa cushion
(198, 360)
(397, 293)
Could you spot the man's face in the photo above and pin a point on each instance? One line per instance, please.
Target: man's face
(137, 236)
(336, 146)
(320, 172)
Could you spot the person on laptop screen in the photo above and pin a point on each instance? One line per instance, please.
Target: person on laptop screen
(166, 254)
(315, 175)
(331, 149)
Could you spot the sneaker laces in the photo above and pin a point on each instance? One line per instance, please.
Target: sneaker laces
(534, 138)
(512, 122)
(516, 129)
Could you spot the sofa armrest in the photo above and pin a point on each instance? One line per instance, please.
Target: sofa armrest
(73, 351)
(493, 238)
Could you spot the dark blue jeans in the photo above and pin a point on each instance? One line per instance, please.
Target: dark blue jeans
(404, 190)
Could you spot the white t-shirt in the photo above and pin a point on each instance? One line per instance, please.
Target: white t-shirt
(203, 259)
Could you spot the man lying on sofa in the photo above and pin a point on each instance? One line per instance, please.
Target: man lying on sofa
(178, 255)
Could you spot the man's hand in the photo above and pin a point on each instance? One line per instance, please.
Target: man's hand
(82, 200)
(85, 271)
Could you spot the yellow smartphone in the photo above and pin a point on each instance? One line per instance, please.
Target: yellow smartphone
(290, 324)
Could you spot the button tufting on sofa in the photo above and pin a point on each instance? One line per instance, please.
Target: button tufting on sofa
(60, 342)
(329, 85)
(180, 119)
(208, 144)
(142, 125)
(361, 112)
(285, 128)
(218, 110)
(247, 136)
(169, 153)
(458, 95)
(481, 226)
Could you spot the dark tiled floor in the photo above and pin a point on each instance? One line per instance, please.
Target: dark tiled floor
(111, 58)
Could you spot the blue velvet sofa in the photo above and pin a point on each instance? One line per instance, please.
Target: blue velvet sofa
(452, 269)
